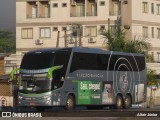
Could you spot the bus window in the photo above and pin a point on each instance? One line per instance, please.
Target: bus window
(89, 61)
(61, 58)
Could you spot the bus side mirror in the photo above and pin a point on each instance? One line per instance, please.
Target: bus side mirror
(52, 69)
(12, 74)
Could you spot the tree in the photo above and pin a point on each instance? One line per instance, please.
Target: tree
(6, 34)
(116, 41)
(7, 42)
(137, 46)
(151, 81)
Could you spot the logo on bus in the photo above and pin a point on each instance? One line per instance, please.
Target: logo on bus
(123, 81)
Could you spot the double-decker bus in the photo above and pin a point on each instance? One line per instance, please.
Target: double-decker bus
(88, 77)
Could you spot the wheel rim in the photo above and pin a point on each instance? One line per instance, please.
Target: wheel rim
(127, 101)
(119, 102)
(70, 103)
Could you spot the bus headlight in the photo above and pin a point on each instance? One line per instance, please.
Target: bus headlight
(40, 75)
(20, 97)
(48, 102)
(46, 96)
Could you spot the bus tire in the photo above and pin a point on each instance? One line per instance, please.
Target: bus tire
(70, 103)
(127, 102)
(119, 102)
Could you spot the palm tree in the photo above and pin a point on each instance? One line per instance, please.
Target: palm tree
(151, 81)
(137, 46)
(116, 41)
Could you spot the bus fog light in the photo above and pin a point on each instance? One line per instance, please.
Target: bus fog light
(48, 102)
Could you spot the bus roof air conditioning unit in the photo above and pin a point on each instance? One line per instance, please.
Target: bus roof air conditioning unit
(73, 2)
(91, 40)
(39, 42)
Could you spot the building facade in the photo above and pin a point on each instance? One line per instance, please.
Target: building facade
(67, 23)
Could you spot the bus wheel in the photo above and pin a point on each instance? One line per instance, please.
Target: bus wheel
(70, 103)
(127, 102)
(119, 102)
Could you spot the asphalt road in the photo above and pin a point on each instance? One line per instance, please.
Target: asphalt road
(83, 114)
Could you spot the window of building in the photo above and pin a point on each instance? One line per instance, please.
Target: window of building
(45, 33)
(91, 31)
(158, 33)
(158, 57)
(152, 8)
(64, 4)
(8, 61)
(27, 33)
(102, 3)
(145, 32)
(55, 28)
(32, 9)
(102, 28)
(80, 10)
(55, 5)
(64, 28)
(145, 7)
(158, 9)
(152, 32)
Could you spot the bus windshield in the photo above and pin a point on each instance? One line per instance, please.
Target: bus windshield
(33, 61)
(35, 83)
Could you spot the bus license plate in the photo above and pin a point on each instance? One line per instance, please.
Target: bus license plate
(32, 103)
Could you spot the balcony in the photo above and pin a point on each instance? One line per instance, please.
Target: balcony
(114, 13)
(32, 9)
(114, 8)
(91, 9)
(44, 9)
(38, 9)
(77, 14)
(91, 14)
(32, 16)
(77, 8)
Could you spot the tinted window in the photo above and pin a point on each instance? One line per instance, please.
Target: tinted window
(89, 61)
(35, 61)
(126, 63)
(140, 62)
(61, 58)
(92, 61)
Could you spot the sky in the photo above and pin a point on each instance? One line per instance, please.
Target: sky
(7, 15)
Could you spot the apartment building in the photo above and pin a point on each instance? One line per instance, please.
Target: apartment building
(67, 23)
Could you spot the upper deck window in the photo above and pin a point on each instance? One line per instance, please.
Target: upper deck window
(39, 60)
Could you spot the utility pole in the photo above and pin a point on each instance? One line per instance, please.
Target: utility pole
(57, 45)
(80, 37)
(109, 24)
(65, 38)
